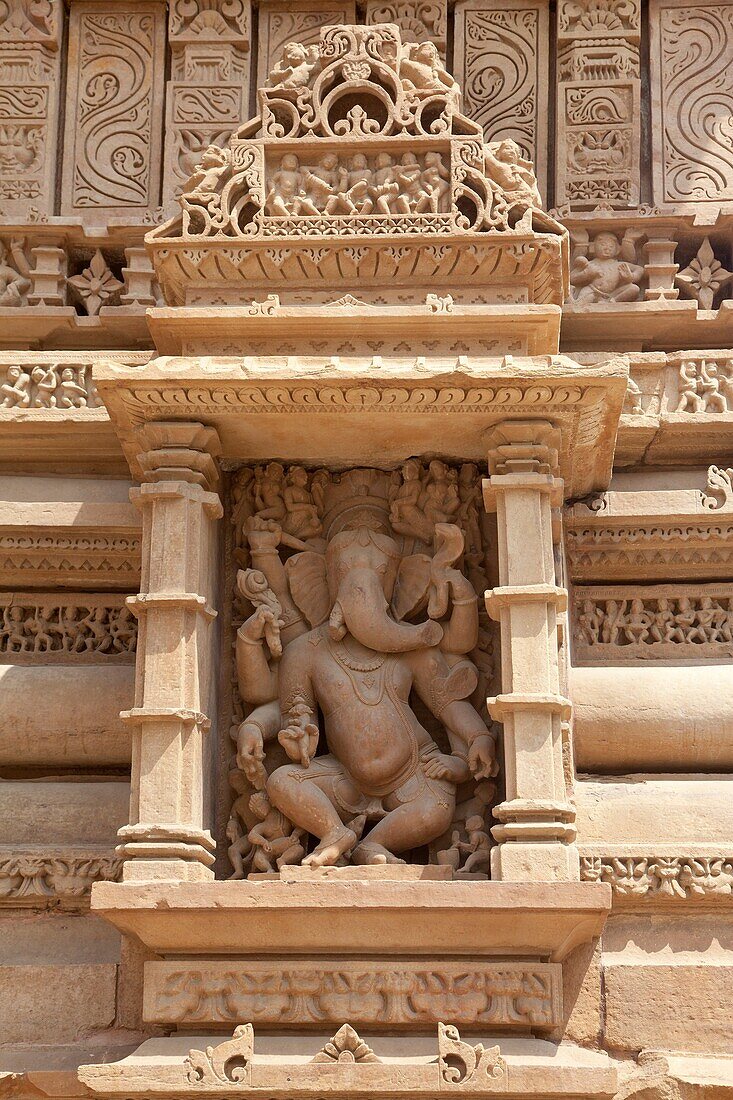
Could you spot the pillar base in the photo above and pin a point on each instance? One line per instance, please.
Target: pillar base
(520, 862)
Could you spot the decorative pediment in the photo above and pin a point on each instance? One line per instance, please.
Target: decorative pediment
(358, 138)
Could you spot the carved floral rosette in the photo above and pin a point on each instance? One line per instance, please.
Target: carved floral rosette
(295, 533)
(358, 137)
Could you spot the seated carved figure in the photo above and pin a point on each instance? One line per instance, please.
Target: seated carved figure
(351, 666)
(606, 278)
(295, 67)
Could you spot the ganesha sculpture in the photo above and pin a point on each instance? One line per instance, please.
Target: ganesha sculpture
(360, 661)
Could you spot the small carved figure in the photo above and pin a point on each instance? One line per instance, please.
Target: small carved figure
(469, 493)
(684, 621)
(72, 632)
(512, 173)
(295, 67)
(123, 630)
(606, 278)
(663, 626)
(269, 487)
(14, 281)
(301, 519)
(358, 196)
(275, 841)
(712, 399)
(14, 630)
(322, 184)
(319, 481)
(590, 622)
(705, 628)
(73, 393)
(46, 382)
(37, 627)
(16, 390)
(441, 500)
(613, 621)
(723, 620)
(386, 188)
(409, 177)
(690, 399)
(633, 398)
(435, 184)
(422, 70)
(637, 623)
(406, 517)
(97, 636)
(478, 846)
(286, 195)
(205, 181)
(240, 847)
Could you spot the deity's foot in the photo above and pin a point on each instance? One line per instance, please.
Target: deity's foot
(373, 855)
(331, 848)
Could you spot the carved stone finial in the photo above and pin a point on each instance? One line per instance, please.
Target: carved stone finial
(462, 1065)
(346, 1046)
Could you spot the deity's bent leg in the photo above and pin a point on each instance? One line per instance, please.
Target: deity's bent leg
(423, 810)
(306, 796)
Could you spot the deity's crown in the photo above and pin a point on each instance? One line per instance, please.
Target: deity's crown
(357, 498)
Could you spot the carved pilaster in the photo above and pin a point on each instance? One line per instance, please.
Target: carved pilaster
(209, 88)
(30, 65)
(167, 837)
(598, 104)
(536, 831)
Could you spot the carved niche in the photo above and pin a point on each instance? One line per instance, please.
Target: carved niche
(363, 656)
(360, 169)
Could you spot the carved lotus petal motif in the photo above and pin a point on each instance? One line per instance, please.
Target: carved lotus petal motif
(357, 70)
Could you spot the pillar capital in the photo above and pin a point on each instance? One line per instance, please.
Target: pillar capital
(179, 450)
(524, 446)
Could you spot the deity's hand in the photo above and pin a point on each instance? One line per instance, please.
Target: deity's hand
(263, 534)
(482, 757)
(299, 741)
(443, 766)
(251, 754)
(263, 624)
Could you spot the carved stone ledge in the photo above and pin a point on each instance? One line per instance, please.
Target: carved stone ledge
(41, 876)
(411, 1065)
(407, 995)
(447, 406)
(368, 918)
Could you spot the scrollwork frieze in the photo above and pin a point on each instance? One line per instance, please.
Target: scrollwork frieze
(662, 878)
(33, 878)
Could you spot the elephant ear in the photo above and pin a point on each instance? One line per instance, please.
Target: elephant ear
(306, 574)
(411, 586)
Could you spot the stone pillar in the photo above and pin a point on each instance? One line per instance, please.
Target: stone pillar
(167, 837)
(536, 832)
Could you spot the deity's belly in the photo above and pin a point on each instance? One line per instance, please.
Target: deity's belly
(375, 744)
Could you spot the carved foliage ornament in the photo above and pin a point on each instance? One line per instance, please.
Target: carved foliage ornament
(359, 594)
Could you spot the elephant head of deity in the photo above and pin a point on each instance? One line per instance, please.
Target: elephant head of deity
(364, 586)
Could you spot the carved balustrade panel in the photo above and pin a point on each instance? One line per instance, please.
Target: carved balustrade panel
(30, 72)
(112, 141)
(598, 103)
(355, 606)
(692, 100)
(501, 60)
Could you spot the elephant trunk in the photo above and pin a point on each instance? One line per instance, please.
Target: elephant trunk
(365, 612)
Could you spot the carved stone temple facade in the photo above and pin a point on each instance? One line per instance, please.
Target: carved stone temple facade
(366, 549)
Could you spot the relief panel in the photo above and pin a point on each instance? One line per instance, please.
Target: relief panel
(29, 78)
(692, 100)
(501, 58)
(113, 110)
(281, 22)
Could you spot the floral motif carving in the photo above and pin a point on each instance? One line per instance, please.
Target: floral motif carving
(96, 286)
(30, 878)
(346, 1046)
(654, 877)
(503, 995)
(704, 276)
